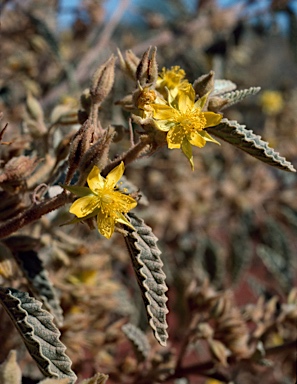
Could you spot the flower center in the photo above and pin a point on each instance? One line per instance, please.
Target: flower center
(191, 121)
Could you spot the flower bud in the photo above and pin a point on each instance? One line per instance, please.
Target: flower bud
(204, 84)
(129, 64)
(147, 70)
(216, 103)
(102, 81)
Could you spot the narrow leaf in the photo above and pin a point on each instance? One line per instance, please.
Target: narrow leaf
(145, 256)
(39, 282)
(247, 141)
(138, 339)
(39, 333)
(238, 95)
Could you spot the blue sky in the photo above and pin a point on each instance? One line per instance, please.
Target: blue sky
(66, 17)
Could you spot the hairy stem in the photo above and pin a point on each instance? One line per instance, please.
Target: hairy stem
(129, 156)
(33, 213)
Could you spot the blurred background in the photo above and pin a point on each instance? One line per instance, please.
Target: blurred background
(232, 220)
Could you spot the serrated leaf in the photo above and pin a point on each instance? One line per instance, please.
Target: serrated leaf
(99, 378)
(39, 333)
(247, 141)
(238, 95)
(10, 371)
(145, 256)
(138, 339)
(223, 86)
(39, 283)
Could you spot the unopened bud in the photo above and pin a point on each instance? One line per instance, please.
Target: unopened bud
(129, 64)
(147, 70)
(102, 81)
(78, 147)
(97, 154)
(216, 103)
(204, 84)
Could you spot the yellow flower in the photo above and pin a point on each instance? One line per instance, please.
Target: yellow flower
(173, 80)
(272, 102)
(185, 122)
(104, 200)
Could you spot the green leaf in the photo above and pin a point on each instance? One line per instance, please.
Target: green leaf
(39, 333)
(247, 141)
(147, 264)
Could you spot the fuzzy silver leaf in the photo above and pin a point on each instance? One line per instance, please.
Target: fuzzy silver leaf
(147, 264)
(138, 339)
(247, 141)
(39, 333)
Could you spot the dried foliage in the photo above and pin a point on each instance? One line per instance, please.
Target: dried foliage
(197, 286)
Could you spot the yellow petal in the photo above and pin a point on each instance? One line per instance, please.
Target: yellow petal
(186, 100)
(197, 140)
(126, 202)
(114, 176)
(95, 180)
(123, 220)
(105, 225)
(163, 112)
(163, 125)
(84, 206)
(207, 137)
(187, 150)
(175, 137)
(212, 119)
(201, 102)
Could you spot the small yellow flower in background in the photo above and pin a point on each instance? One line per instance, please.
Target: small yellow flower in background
(102, 199)
(173, 80)
(185, 122)
(213, 381)
(272, 102)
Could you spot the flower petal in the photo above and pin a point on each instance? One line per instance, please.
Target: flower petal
(84, 206)
(114, 176)
(197, 139)
(187, 150)
(105, 225)
(207, 137)
(185, 100)
(124, 203)
(79, 191)
(95, 180)
(163, 112)
(212, 119)
(201, 101)
(175, 137)
(123, 220)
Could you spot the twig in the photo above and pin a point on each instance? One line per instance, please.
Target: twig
(33, 213)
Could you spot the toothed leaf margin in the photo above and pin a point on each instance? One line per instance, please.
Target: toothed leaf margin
(147, 264)
(247, 141)
(39, 333)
